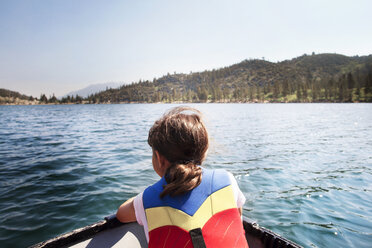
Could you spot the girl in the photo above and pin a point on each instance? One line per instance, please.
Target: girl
(189, 206)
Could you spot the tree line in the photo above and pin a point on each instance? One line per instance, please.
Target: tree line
(315, 78)
(355, 86)
(65, 100)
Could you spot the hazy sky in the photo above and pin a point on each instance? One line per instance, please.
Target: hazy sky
(56, 46)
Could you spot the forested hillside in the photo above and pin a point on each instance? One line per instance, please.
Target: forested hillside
(13, 97)
(308, 78)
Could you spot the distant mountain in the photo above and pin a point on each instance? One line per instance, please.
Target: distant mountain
(308, 78)
(93, 89)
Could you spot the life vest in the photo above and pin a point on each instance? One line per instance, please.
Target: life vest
(206, 216)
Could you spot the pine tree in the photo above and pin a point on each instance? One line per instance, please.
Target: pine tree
(251, 93)
(226, 93)
(298, 93)
(258, 93)
(236, 94)
(43, 98)
(342, 89)
(315, 91)
(156, 96)
(357, 92)
(79, 99)
(202, 94)
(53, 99)
(368, 88)
(216, 93)
(285, 89)
(326, 93)
(276, 91)
(304, 92)
(350, 81)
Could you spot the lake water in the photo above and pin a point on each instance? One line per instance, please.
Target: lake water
(305, 169)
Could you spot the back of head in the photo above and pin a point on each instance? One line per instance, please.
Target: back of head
(181, 137)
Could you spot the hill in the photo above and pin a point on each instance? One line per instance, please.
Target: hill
(308, 78)
(14, 97)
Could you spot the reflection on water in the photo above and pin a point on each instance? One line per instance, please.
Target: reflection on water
(305, 169)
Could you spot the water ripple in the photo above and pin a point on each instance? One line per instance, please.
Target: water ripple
(305, 169)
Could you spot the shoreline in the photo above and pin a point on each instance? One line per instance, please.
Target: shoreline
(176, 102)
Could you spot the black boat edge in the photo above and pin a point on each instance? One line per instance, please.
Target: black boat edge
(257, 237)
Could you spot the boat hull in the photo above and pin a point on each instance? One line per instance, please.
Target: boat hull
(111, 233)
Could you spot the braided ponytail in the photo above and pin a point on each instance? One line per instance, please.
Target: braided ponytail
(181, 178)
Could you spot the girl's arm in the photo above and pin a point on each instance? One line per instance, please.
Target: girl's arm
(126, 212)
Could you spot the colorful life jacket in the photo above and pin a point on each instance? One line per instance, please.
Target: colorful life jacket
(206, 216)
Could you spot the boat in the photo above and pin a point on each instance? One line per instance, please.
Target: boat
(112, 233)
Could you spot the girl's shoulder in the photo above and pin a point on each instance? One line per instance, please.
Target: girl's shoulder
(151, 193)
(216, 175)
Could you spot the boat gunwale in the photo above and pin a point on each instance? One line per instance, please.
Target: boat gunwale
(269, 239)
(80, 234)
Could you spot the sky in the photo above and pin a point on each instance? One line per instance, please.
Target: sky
(58, 46)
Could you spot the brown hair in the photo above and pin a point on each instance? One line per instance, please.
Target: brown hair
(181, 137)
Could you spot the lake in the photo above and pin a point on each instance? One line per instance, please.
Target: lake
(305, 169)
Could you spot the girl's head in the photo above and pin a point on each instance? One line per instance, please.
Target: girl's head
(181, 139)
